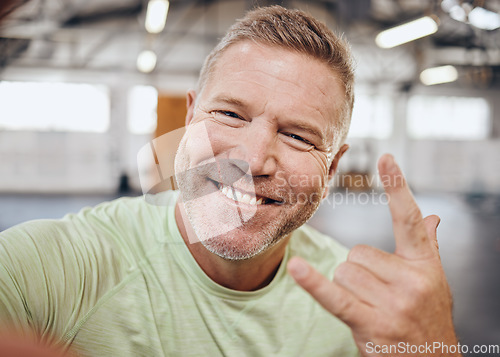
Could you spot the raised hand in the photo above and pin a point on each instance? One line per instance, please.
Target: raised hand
(401, 300)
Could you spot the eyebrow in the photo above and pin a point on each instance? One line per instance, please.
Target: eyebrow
(230, 100)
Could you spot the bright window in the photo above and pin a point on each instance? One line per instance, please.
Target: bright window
(142, 105)
(43, 106)
(371, 117)
(455, 118)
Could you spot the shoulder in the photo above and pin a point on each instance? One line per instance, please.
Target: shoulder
(58, 270)
(128, 227)
(321, 251)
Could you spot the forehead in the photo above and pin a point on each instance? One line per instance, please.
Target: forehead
(296, 81)
(251, 55)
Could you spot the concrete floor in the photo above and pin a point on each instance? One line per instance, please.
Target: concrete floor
(469, 238)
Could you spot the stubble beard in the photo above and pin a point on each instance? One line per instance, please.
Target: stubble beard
(239, 244)
(247, 238)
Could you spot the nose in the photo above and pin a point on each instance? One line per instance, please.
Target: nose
(257, 147)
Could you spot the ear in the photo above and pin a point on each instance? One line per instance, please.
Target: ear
(335, 164)
(190, 102)
(336, 159)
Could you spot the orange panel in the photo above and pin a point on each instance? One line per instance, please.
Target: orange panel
(171, 113)
(171, 116)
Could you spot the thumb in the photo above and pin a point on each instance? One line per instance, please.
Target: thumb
(431, 224)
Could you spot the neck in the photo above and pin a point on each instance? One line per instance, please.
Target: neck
(244, 275)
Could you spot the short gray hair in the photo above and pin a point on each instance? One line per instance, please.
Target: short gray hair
(297, 31)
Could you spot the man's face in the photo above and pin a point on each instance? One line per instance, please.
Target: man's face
(258, 148)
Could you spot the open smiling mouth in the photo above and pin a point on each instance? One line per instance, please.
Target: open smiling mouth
(244, 197)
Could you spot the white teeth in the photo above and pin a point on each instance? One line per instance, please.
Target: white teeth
(245, 198)
(240, 197)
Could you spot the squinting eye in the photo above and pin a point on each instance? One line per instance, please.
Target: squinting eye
(298, 142)
(229, 114)
(299, 138)
(229, 118)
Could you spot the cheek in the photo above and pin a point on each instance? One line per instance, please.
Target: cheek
(302, 173)
(314, 166)
(197, 143)
(321, 162)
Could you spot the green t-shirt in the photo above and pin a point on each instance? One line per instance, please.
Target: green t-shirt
(118, 280)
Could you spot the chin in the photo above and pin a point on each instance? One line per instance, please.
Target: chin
(247, 241)
(239, 248)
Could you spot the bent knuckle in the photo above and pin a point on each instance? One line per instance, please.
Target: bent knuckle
(342, 272)
(404, 305)
(418, 289)
(422, 286)
(359, 253)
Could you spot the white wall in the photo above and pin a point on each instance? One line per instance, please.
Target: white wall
(458, 166)
(71, 162)
(436, 165)
(50, 162)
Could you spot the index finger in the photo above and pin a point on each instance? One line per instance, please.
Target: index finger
(412, 241)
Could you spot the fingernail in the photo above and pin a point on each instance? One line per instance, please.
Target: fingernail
(298, 268)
